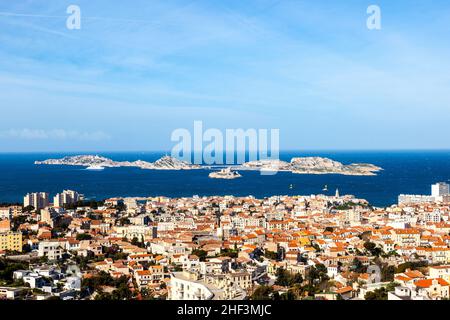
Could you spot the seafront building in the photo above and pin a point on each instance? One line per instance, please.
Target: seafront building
(439, 193)
(37, 200)
(440, 190)
(66, 197)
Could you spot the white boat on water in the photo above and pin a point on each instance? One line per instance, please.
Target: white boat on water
(94, 167)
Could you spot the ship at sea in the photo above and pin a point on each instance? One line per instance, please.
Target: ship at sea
(226, 173)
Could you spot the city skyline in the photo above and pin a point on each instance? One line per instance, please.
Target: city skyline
(132, 75)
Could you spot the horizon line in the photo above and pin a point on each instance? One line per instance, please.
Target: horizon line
(197, 151)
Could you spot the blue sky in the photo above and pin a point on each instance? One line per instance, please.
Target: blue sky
(138, 70)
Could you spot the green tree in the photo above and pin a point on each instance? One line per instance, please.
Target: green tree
(287, 279)
(387, 273)
(290, 295)
(373, 249)
(357, 266)
(28, 209)
(201, 254)
(7, 269)
(317, 274)
(271, 255)
(283, 277)
(262, 293)
(83, 236)
(377, 294)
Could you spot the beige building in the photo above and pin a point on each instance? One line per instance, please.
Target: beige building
(47, 215)
(406, 237)
(434, 288)
(440, 272)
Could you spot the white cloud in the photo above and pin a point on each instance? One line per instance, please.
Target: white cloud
(54, 134)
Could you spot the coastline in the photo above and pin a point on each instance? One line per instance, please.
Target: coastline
(20, 176)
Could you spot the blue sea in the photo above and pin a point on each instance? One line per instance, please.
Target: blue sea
(410, 172)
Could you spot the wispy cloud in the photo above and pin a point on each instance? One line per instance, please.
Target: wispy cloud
(298, 65)
(54, 134)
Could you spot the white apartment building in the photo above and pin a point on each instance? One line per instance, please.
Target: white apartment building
(50, 249)
(405, 293)
(185, 286)
(66, 197)
(134, 231)
(10, 212)
(131, 204)
(5, 213)
(38, 200)
(439, 192)
(415, 199)
(353, 217)
(440, 189)
(434, 216)
(440, 272)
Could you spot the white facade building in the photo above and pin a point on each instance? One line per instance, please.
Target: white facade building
(185, 287)
(65, 198)
(440, 189)
(38, 200)
(5, 213)
(50, 249)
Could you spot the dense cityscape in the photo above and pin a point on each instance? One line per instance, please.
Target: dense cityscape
(317, 247)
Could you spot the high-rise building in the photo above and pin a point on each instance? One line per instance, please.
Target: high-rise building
(65, 198)
(38, 200)
(440, 189)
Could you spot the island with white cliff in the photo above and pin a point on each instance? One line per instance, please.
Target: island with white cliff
(95, 161)
(226, 174)
(302, 165)
(314, 165)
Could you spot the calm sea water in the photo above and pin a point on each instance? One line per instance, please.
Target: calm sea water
(404, 172)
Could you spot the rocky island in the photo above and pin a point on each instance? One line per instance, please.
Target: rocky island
(95, 161)
(314, 165)
(226, 173)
